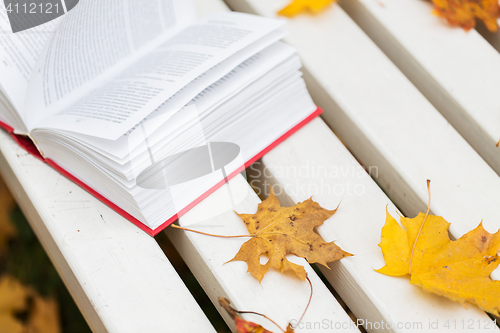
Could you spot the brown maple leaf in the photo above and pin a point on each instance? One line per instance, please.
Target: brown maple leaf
(463, 13)
(277, 231)
(459, 270)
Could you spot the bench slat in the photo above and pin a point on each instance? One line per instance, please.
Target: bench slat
(458, 71)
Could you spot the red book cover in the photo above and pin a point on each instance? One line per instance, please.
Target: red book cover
(26, 143)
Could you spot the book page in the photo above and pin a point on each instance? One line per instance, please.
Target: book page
(129, 96)
(18, 55)
(262, 53)
(94, 41)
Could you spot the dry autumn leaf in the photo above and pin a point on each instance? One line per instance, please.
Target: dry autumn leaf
(42, 313)
(297, 7)
(463, 13)
(244, 326)
(13, 299)
(277, 231)
(457, 269)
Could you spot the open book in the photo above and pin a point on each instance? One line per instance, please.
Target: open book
(146, 107)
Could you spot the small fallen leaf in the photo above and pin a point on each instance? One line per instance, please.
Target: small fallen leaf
(459, 270)
(226, 304)
(463, 13)
(244, 326)
(44, 315)
(297, 7)
(13, 299)
(277, 231)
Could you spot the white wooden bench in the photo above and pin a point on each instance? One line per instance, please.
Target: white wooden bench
(122, 281)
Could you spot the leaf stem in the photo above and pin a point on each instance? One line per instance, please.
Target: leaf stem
(207, 234)
(236, 236)
(260, 314)
(303, 314)
(422, 225)
(309, 302)
(226, 304)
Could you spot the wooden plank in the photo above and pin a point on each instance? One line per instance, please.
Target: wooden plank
(458, 71)
(313, 162)
(282, 298)
(117, 274)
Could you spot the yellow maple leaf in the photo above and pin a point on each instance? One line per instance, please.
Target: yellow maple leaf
(43, 313)
(457, 269)
(44, 316)
(463, 13)
(13, 298)
(277, 231)
(304, 6)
